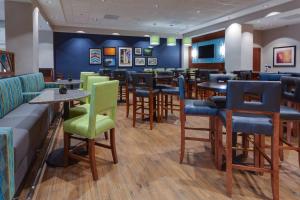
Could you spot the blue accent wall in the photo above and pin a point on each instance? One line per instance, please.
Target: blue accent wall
(219, 58)
(71, 51)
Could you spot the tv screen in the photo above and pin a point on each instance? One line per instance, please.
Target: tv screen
(207, 51)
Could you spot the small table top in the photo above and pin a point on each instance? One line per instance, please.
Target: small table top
(66, 82)
(163, 77)
(53, 96)
(214, 86)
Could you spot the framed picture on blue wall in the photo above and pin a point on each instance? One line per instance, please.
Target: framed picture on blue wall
(147, 52)
(95, 56)
(138, 51)
(152, 62)
(125, 57)
(109, 62)
(138, 61)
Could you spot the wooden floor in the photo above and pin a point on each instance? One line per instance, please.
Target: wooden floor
(149, 168)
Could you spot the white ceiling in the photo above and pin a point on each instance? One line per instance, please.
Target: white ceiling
(282, 19)
(2, 16)
(152, 16)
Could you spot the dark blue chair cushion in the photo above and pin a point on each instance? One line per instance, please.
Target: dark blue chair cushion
(171, 91)
(162, 86)
(145, 93)
(288, 113)
(199, 107)
(220, 101)
(249, 123)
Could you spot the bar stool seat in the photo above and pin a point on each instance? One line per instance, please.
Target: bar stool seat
(199, 107)
(145, 93)
(162, 86)
(288, 113)
(171, 91)
(249, 123)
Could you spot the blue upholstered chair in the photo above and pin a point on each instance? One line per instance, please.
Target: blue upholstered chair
(128, 90)
(143, 87)
(121, 76)
(259, 117)
(290, 114)
(199, 108)
(264, 76)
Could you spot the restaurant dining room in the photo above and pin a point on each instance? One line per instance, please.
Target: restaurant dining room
(149, 99)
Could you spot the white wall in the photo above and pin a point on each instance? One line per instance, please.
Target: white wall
(19, 35)
(185, 57)
(284, 36)
(2, 25)
(247, 48)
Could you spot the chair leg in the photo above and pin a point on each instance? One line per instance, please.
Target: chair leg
(127, 103)
(134, 111)
(281, 154)
(166, 106)
(182, 146)
(113, 145)
(172, 110)
(158, 108)
(151, 110)
(262, 158)
(162, 107)
(219, 145)
(289, 131)
(106, 135)
(275, 160)
(229, 155)
(66, 148)
(93, 159)
(245, 144)
(143, 108)
(256, 151)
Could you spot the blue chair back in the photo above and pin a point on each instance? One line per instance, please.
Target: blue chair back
(221, 77)
(263, 76)
(269, 93)
(181, 84)
(290, 87)
(143, 80)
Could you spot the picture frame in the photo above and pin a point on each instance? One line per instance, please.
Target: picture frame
(147, 52)
(152, 61)
(109, 51)
(109, 62)
(125, 57)
(95, 56)
(284, 56)
(138, 51)
(140, 61)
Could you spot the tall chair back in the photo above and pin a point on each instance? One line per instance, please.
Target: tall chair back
(181, 84)
(143, 81)
(104, 99)
(221, 77)
(92, 80)
(291, 88)
(106, 72)
(269, 93)
(263, 76)
(83, 78)
(119, 75)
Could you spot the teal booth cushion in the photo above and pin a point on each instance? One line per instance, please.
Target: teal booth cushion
(32, 82)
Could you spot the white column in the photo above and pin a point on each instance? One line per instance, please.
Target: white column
(35, 23)
(239, 47)
(185, 57)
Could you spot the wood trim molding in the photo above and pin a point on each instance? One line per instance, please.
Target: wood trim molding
(211, 36)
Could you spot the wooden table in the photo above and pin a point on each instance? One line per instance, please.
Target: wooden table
(51, 96)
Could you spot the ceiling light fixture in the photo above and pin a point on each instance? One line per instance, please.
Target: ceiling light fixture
(115, 33)
(198, 11)
(156, 6)
(80, 31)
(171, 41)
(154, 40)
(272, 14)
(146, 35)
(187, 41)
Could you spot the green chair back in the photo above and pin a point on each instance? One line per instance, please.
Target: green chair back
(104, 99)
(83, 78)
(92, 80)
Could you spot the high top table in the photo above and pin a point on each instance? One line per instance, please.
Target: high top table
(51, 96)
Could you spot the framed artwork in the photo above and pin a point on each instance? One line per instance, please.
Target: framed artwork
(284, 56)
(140, 61)
(109, 62)
(152, 61)
(147, 51)
(138, 51)
(125, 57)
(95, 57)
(109, 51)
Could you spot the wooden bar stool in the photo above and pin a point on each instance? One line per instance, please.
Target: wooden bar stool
(261, 118)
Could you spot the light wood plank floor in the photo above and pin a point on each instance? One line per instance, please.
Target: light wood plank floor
(148, 168)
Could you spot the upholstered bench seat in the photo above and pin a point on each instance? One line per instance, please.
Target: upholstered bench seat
(288, 113)
(145, 93)
(249, 123)
(199, 107)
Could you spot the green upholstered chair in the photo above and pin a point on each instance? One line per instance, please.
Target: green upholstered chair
(84, 108)
(100, 118)
(83, 78)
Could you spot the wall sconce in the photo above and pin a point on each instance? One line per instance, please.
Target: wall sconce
(194, 53)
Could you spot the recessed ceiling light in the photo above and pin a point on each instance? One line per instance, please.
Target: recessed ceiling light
(80, 32)
(156, 6)
(115, 33)
(154, 24)
(272, 14)
(146, 35)
(198, 11)
(172, 25)
(47, 22)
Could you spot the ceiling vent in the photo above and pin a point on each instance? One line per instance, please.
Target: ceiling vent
(111, 17)
(291, 17)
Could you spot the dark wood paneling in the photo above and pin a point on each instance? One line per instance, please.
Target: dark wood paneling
(256, 59)
(211, 36)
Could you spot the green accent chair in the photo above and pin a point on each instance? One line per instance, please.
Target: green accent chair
(101, 118)
(84, 76)
(84, 108)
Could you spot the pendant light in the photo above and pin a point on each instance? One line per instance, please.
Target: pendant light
(154, 40)
(187, 41)
(171, 41)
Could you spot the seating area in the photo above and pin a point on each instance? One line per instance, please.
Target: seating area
(158, 100)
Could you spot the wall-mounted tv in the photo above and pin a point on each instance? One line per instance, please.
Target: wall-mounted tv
(207, 51)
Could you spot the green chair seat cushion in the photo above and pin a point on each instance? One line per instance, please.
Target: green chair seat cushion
(79, 110)
(80, 125)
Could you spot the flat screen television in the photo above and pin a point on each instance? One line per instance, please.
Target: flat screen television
(207, 51)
